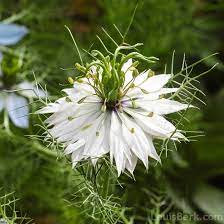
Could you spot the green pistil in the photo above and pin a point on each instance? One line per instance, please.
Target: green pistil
(108, 82)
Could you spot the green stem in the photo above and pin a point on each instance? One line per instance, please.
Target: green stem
(6, 122)
(106, 185)
(157, 221)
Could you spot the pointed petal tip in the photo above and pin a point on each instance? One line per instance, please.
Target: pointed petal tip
(118, 173)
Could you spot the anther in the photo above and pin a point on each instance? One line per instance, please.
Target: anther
(161, 96)
(81, 100)
(135, 73)
(86, 127)
(151, 73)
(132, 85)
(144, 91)
(150, 114)
(104, 108)
(67, 99)
(71, 80)
(133, 104)
(80, 67)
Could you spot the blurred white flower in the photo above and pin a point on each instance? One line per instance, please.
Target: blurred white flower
(16, 103)
(11, 34)
(3, 221)
(13, 98)
(91, 126)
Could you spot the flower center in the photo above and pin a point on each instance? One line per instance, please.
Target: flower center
(113, 105)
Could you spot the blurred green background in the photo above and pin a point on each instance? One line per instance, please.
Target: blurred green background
(190, 181)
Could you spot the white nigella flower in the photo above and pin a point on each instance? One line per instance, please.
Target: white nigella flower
(12, 101)
(16, 103)
(114, 109)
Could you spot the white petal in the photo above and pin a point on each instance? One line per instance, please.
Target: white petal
(50, 108)
(156, 95)
(18, 110)
(129, 130)
(117, 145)
(130, 165)
(126, 65)
(155, 125)
(154, 83)
(93, 147)
(136, 139)
(126, 69)
(72, 112)
(75, 129)
(152, 152)
(163, 106)
(106, 141)
(53, 107)
(83, 92)
(77, 156)
(30, 90)
(2, 102)
(83, 88)
(75, 146)
(138, 96)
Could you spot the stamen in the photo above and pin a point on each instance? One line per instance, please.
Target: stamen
(70, 118)
(81, 100)
(144, 91)
(71, 80)
(135, 64)
(150, 114)
(88, 75)
(132, 130)
(132, 85)
(79, 80)
(133, 104)
(86, 127)
(120, 108)
(151, 73)
(80, 67)
(131, 68)
(103, 108)
(67, 99)
(135, 73)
